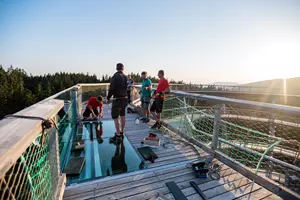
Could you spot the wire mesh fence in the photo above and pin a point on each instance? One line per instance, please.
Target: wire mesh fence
(34, 175)
(267, 143)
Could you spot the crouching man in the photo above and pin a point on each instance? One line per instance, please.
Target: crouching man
(91, 110)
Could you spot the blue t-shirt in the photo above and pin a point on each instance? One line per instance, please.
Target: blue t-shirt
(146, 83)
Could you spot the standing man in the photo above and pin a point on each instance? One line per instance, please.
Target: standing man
(118, 89)
(130, 84)
(146, 95)
(92, 108)
(157, 106)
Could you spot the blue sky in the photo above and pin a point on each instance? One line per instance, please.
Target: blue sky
(192, 40)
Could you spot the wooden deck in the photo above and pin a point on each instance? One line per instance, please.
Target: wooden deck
(171, 165)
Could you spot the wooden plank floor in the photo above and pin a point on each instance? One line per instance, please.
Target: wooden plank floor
(171, 165)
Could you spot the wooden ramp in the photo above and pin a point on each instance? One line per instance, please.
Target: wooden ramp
(172, 164)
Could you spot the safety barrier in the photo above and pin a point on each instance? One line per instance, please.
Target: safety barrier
(30, 150)
(262, 138)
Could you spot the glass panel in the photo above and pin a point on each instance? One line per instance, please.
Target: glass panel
(102, 158)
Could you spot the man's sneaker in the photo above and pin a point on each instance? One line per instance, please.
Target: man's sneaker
(115, 139)
(156, 125)
(122, 135)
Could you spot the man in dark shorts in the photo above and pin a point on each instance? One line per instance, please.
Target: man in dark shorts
(92, 108)
(118, 89)
(146, 96)
(157, 106)
(130, 84)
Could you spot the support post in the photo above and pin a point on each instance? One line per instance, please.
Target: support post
(54, 158)
(79, 101)
(75, 111)
(216, 129)
(107, 89)
(272, 132)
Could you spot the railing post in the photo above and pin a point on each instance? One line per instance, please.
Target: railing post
(216, 129)
(272, 133)
(79, 101)
(107, 89)
(185, 107)
(75, 111)
(54, 158)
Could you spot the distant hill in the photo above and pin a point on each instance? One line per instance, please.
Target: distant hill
(292, 85)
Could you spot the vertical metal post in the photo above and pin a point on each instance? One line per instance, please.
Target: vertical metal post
(271, 132)
(185, 107)
(79, 101)
(107, 89)
(75, 111)
(54, 158)
(216, 129)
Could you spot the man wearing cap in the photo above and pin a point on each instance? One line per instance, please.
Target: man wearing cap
(118, 89)
(130, 84)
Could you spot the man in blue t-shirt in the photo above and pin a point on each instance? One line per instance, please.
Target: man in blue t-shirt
(146, 95)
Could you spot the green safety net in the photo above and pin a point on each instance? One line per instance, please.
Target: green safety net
(31, 176)
(245, 136)
(34, 176)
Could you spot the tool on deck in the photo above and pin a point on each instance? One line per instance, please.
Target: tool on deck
(195, 186)
(201, 168)
(176, 192)
(204, 167)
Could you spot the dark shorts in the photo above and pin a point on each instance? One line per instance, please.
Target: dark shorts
(87, 112)
(157, 105)
(145, 101)
(118, 108)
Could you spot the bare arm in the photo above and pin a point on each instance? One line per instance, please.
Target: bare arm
(166, 90)
(92, 111)
(148, 88)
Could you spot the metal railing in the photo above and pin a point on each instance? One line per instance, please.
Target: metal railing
(263, 138)
(233, 89)
(30, 169)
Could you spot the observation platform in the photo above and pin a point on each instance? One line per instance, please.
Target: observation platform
(256, 145)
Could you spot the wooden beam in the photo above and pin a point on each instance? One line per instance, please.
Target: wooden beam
(61, 187)
(17, 134)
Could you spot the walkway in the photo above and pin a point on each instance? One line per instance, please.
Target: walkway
(172, 165)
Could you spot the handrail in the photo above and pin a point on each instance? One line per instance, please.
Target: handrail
(244, 103)
(18, 134)
(239, 102)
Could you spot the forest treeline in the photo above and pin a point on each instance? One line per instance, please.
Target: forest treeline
(19, 89)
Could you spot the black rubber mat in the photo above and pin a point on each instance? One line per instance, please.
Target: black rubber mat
(176, 192)
(147, 153)
(195, 186)
(74, 166)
